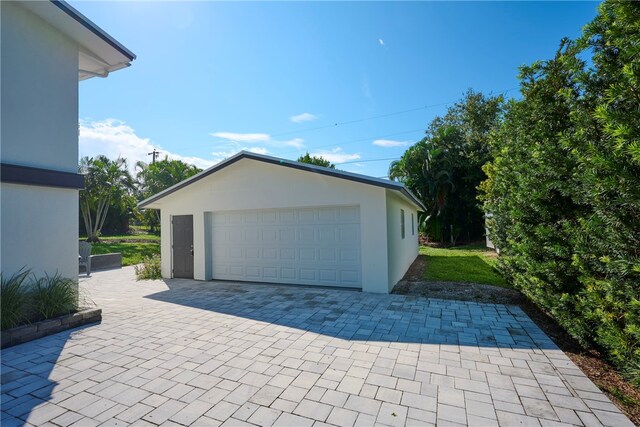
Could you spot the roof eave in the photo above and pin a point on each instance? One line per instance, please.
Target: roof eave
(99, 53)
(150, 202)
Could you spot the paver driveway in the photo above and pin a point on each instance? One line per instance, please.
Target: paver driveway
(185, 352)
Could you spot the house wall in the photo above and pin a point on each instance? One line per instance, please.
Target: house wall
(250, 184)
(39, 128)
(39, 84)
(402, 252)
(38, 230)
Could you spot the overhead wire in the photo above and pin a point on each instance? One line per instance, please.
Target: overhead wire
(364, 119)
(353, 141)
(380, 116)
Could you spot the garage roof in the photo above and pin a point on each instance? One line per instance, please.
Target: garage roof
(99, 53)
(392, 185)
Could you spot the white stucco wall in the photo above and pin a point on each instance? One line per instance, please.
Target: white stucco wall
(38, 231)
(250, 184)
(39, 85)
(39, 128)
(402, 252)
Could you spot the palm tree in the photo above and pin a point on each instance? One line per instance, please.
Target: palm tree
(426, 171)
(104, 179)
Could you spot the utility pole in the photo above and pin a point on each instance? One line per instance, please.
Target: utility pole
(155, 154)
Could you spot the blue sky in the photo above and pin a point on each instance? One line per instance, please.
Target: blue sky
(212, 78)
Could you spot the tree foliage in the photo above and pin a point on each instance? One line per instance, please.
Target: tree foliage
(564, 187)
(444, 169)
(316, 160)
(158, 176)
(108, 184)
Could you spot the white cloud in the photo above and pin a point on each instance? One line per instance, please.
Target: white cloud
(304, 117)
(258, 150)
(388, 143)
(114, 138)
(336, 155)
(235, 139)
(242, 137)
(381, 42)
(297, 143)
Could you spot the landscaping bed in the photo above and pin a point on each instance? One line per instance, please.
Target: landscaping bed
(32, 331)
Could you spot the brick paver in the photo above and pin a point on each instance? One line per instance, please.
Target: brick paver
(180, 352)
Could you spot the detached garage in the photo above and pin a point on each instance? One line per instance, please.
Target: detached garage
(262, 219)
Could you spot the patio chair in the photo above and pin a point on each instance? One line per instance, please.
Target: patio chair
(85, 256)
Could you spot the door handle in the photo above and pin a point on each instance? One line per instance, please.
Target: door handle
(191, 250)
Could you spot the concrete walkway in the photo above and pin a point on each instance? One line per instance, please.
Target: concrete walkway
(181, 352)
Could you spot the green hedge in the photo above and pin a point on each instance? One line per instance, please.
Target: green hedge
(564, 185)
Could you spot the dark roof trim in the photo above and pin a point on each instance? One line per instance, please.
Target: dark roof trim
(17, 174)
(85, 22)
(287, 163)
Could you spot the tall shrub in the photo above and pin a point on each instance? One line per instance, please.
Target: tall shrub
(564, 185)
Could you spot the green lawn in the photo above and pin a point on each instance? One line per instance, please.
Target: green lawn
(132, 253)
(471, 263)
(149, 237)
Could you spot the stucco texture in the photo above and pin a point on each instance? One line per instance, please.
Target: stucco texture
(248, 184)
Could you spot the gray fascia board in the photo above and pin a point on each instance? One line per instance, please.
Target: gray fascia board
(86, 22)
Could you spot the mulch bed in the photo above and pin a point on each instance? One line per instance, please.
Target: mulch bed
(622, 393)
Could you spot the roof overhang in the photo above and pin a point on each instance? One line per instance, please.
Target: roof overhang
(98, 53)
(151, 202)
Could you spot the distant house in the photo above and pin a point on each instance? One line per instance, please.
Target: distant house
(263, 219)
(46, 48)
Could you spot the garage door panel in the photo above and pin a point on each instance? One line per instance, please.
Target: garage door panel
(270, 273)
(307, 254)
(349, 233)
(306, 234)
(235, 217)
(269, 253)
(235, 253)
(252, 235)
(350, 255)
(326, 235)
(288, 273)
(287, 254)
(327, 214)
(252, 272)
(316, 246)
(287, 216)
(330, 276)
(350, 276)
(251, 217)
(306, 216)
(349, 214)
(308, 274)
(327, 254)
(288, 235)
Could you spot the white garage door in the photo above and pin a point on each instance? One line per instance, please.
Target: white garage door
(313, 246)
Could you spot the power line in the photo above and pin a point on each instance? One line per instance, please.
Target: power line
(353, 141)
(364, 119)
(366, 161)
(381, 116)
